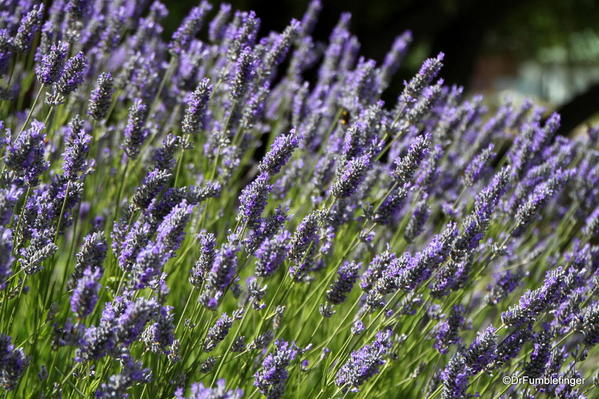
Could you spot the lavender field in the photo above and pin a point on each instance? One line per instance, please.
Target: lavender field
(231, 213)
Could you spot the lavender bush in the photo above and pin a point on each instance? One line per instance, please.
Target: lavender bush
(194, 218)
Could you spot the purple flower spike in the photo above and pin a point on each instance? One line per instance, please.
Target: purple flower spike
(72, 74)
(50, 67)
(272, 376)
(85, 295)
(279, 153)
(199, 391)
(253, 199)
(482, 351)
(135, 134)
(347, 276)
(195, 108)
(189, 28)
(12, 363)
(352, 175)
(25, 156)
(364, 363)
(101, 97)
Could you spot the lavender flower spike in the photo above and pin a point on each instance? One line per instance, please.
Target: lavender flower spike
(199, 391)
(310, 17)
(532, 303)
(195, 108)
(364, 363)
(394, 57)
(6, 258)
(220, 276)
(12, 363)
(85, 295)
(29, 25)
(455, 378)
(189, 28)
(347, 276)
(482, 352)
(588, 323)
(253, 199)
(100, 97)
(218, 332)
(134, 131)
(72, 76)
(217, 27)
(279, 153)
(405, 167)
(353, 174)
(50, 67)
(207, 254)
(25, 156)
(272, 376)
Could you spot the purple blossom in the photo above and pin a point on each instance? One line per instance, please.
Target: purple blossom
(101, 97)
(280, 46)
(85, 295)
(253, 199)
(171, 231)
(417, 220)
(537, 199)
(12, 363)
(379, 264)
(588, 324)
(135, 134)
(198, 273)
(25, 155)
(351, 176)
(160, 335)
(534, 302)
(28, 26)
(482, 352)
(49, 70)
(271, 254)
(342, 286)
(199, 391)
(131, 322)
(6, 258)
(540, 355)
(405, 167)
(279, 153)
(72, 74)
(118, 385)
(303, 245)
(77, 148)
(195, 107)
(272, 376)
(189, 28)
(446, 331)
(220, 276)
(395, 56)
(365, 362)
(310, 17)
(218, 332)
(455, 378)
(477, 166)
(244, 70)
(217, 27)
(510, 346)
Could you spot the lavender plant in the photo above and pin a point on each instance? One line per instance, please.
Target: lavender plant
(420, 248)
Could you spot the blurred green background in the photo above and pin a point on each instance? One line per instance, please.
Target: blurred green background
(545, 49)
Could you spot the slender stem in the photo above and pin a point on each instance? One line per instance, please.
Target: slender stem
(30, 114)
